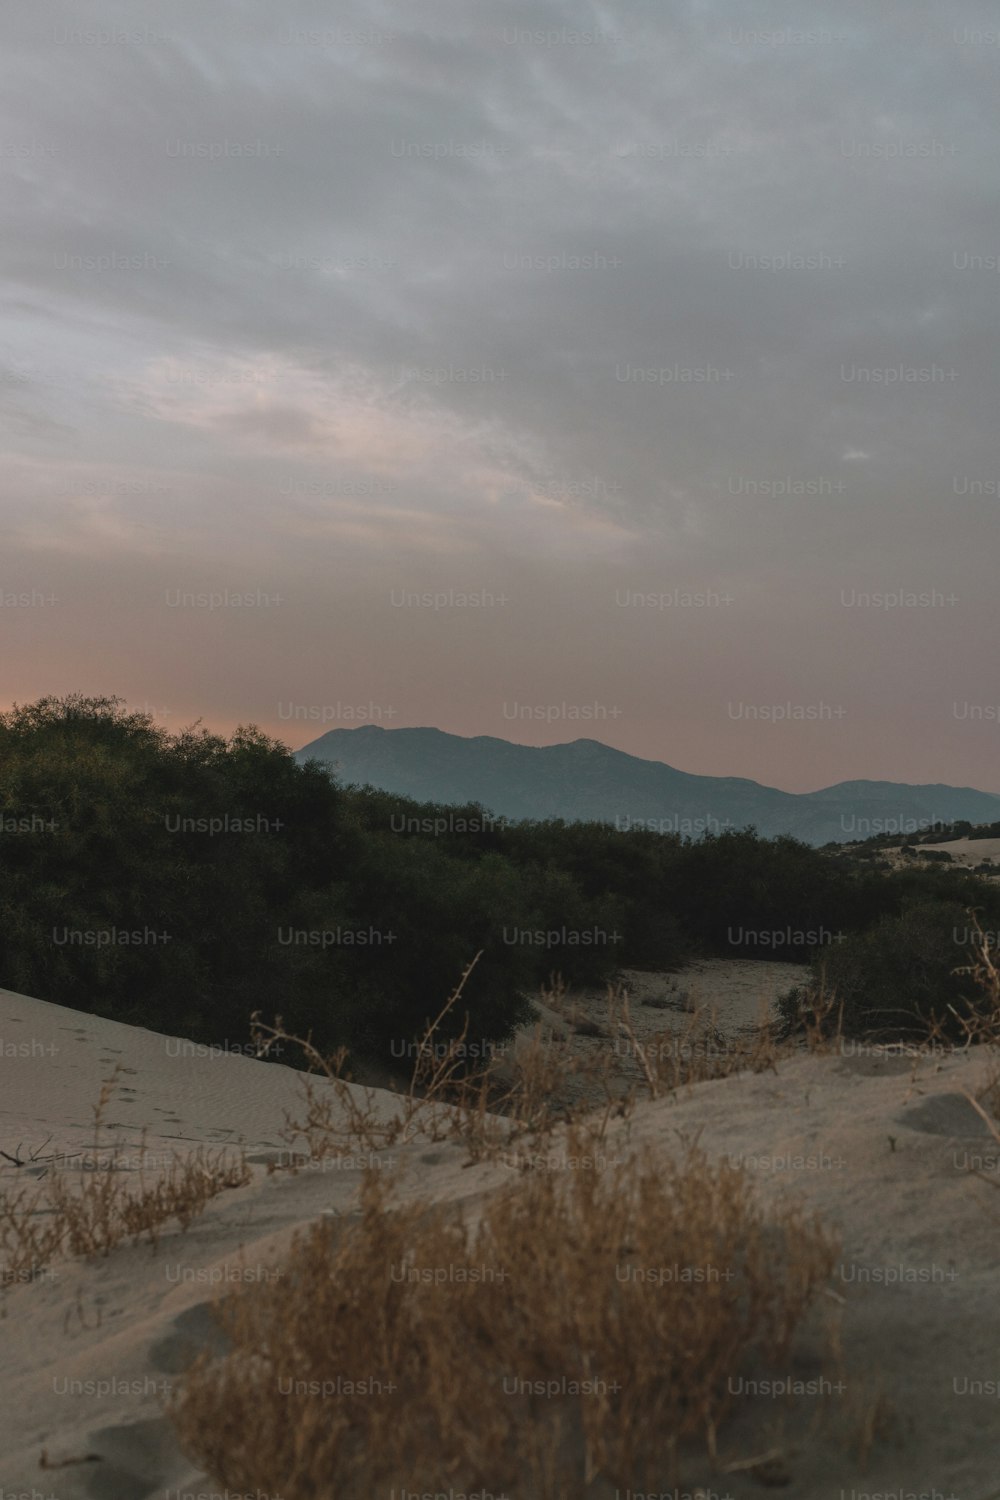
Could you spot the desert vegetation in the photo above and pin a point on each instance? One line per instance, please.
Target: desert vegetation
(525, 1353)
(581, 1329)
(184, 881)
(85, 1203)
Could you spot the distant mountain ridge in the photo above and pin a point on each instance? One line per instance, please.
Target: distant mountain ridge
(586, 780)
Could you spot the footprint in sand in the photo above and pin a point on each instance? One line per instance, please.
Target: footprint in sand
(137, 1458)
(192, 1331)
(948, 1115)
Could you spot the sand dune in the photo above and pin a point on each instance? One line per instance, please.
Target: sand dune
(972, 851)
(880, 1145)
(967, 854)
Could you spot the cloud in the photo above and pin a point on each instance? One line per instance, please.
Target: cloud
(569, 283)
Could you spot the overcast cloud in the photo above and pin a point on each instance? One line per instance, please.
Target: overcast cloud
(567, 315)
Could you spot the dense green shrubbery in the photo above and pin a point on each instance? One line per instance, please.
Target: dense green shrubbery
(898, 979)
(255, 883)
(182, 882)
(749, 897)
(106, 855)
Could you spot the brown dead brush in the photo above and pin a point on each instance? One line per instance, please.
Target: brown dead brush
(982, 1027)
(88, 1205)
(489, 1107)
(90, 1213)
(576, 1334)
(341, 1115)
(695, 1052)
(522, 1094)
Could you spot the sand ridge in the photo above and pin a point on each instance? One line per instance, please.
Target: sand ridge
(882, 1147)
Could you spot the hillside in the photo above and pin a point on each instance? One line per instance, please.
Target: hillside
(587, 780)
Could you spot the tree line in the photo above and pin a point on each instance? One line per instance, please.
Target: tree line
(182, 881)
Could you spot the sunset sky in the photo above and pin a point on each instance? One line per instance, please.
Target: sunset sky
(541, 370)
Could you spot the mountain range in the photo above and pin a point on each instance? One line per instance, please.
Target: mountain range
(587, 780)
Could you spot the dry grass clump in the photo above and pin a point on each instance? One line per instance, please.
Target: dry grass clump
(546, 1081)
(984, 1029)
(575, 1336)
(443, 1098)
(979, 1026)
(695, 1052)
(489, 1106)
(88, 1212)
(699, 1050)
(505, 1100)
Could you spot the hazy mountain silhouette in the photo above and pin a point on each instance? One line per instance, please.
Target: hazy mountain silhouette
(588, 780)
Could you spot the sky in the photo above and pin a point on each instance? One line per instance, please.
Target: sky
(544, 370)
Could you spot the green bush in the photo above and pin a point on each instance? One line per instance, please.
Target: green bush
(897, 980)
(733, 892)
(353, 912)
(253, 883)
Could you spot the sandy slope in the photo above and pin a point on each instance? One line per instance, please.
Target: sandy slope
(966, 854)
(881, 1152)
(972, 851)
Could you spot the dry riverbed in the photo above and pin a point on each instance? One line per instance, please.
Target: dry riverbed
(723, 999)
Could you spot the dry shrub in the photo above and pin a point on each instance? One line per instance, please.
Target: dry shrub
(981, 1025)
(546, 1081)
(816, 1020)
(90, 1207)
(489, 1107)
(554, 1080)
(550, 1346)
(697, 1051)
(29, 1237)
(340, 1115)
(89, 1213)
